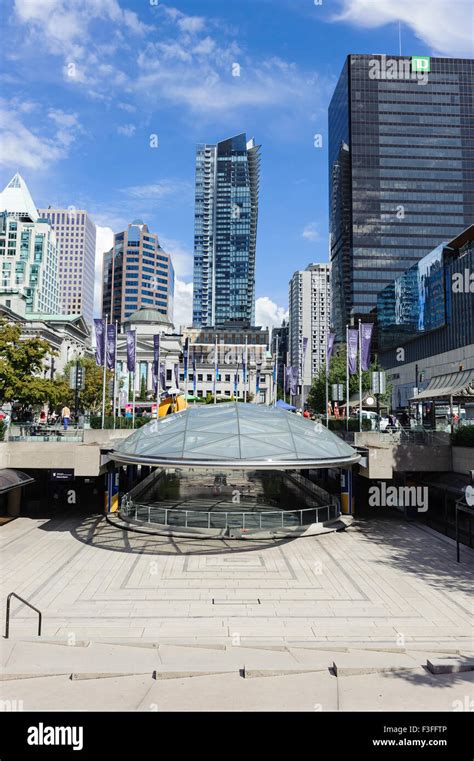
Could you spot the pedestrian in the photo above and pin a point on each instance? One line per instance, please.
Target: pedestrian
(66, 416)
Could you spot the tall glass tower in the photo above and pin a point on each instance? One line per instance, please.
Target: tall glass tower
(225, 232)
(401, 170)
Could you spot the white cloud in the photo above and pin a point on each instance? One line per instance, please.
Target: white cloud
(183, 304)
(444, 26)
(181, 257)
(160, 189)
(104, 242)
(268, 313)
(24, 148)
(311, 232)
(128, 130)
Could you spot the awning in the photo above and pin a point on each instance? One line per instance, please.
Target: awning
(11, 479)
(460, 384)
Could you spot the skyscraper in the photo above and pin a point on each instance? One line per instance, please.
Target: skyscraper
(309, 309)
(401, 170)
(76, 235)
(28, 254)
(137, 274)
(225, 232)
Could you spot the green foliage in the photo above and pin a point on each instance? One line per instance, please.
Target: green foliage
(120, 422)
(90, 397)
(463, 437)
(3, 430)
(142, 394)
(21, 361)
(339, 424)
(316, 400)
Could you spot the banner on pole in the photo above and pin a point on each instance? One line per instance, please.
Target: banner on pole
(329, 349)
(131, 350)
(185, 359)
(156, 361)
(366, 342)
(111, 346)
(194, 374)
(176, 374)
(162, 376)
(352, 346)
(99, 326)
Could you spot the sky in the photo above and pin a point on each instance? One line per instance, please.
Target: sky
(102, 103)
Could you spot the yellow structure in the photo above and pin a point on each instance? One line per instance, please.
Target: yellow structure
(173, 403)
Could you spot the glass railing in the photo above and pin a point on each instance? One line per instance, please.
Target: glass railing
(41, 432)
(221, 519)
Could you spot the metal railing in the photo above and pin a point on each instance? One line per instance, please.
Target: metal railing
(220, 519)
(25, 602)
(38, 432)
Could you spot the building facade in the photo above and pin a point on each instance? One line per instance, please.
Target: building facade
(425, 319)
(76, 237)
(137, 274)
(279, 348)
(29, 254)
(244, 360)
(400, 170)
(225, 233)
(309, 309)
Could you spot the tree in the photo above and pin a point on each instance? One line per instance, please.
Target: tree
(90, 397)
(337, 374)
(21, 362)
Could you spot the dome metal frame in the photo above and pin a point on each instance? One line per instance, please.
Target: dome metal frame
(235, 436)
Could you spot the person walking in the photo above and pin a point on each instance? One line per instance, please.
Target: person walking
(66, 416)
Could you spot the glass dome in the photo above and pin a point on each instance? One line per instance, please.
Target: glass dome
(235, 435)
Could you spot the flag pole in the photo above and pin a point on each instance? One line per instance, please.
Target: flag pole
(104, 377)
(133, 395)
(327, 384)
(284, 383)
(215, 369)
(360, 375)
(347, 377)
(276, 373)
(115, 373)
(246, 370)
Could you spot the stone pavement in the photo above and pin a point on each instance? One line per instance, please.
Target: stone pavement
(345, 621)
(383, 582)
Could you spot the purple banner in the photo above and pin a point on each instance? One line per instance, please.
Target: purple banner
(194, 374)
(156, 362)
(185, 359)
(111, 346)
(288, 371)
(329, 349)
(293, 380)
(176, 374)
(99, 326)
(162, 376)
(131, 350)
(352, 344)
(365, 342)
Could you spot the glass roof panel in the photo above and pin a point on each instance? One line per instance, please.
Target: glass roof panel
(234, 431)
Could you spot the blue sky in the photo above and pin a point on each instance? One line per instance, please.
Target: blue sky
(85, 84)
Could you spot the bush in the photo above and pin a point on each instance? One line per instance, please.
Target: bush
(463, 437)
(3, 430)
(120, 422)
(339, 424)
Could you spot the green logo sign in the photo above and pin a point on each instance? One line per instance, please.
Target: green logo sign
(421, 63)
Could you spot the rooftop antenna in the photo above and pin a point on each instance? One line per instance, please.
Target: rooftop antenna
(400, 37)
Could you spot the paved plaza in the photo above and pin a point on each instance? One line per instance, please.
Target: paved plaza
(369, 604)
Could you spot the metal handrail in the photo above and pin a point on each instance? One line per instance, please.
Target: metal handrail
(331, 507)
(7, 618)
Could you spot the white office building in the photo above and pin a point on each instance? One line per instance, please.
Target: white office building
(309, 310)
(76, 236)
(29, 254)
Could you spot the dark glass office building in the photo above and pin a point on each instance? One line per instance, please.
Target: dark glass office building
(137, 274)
(225, 233)
(401, 170)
